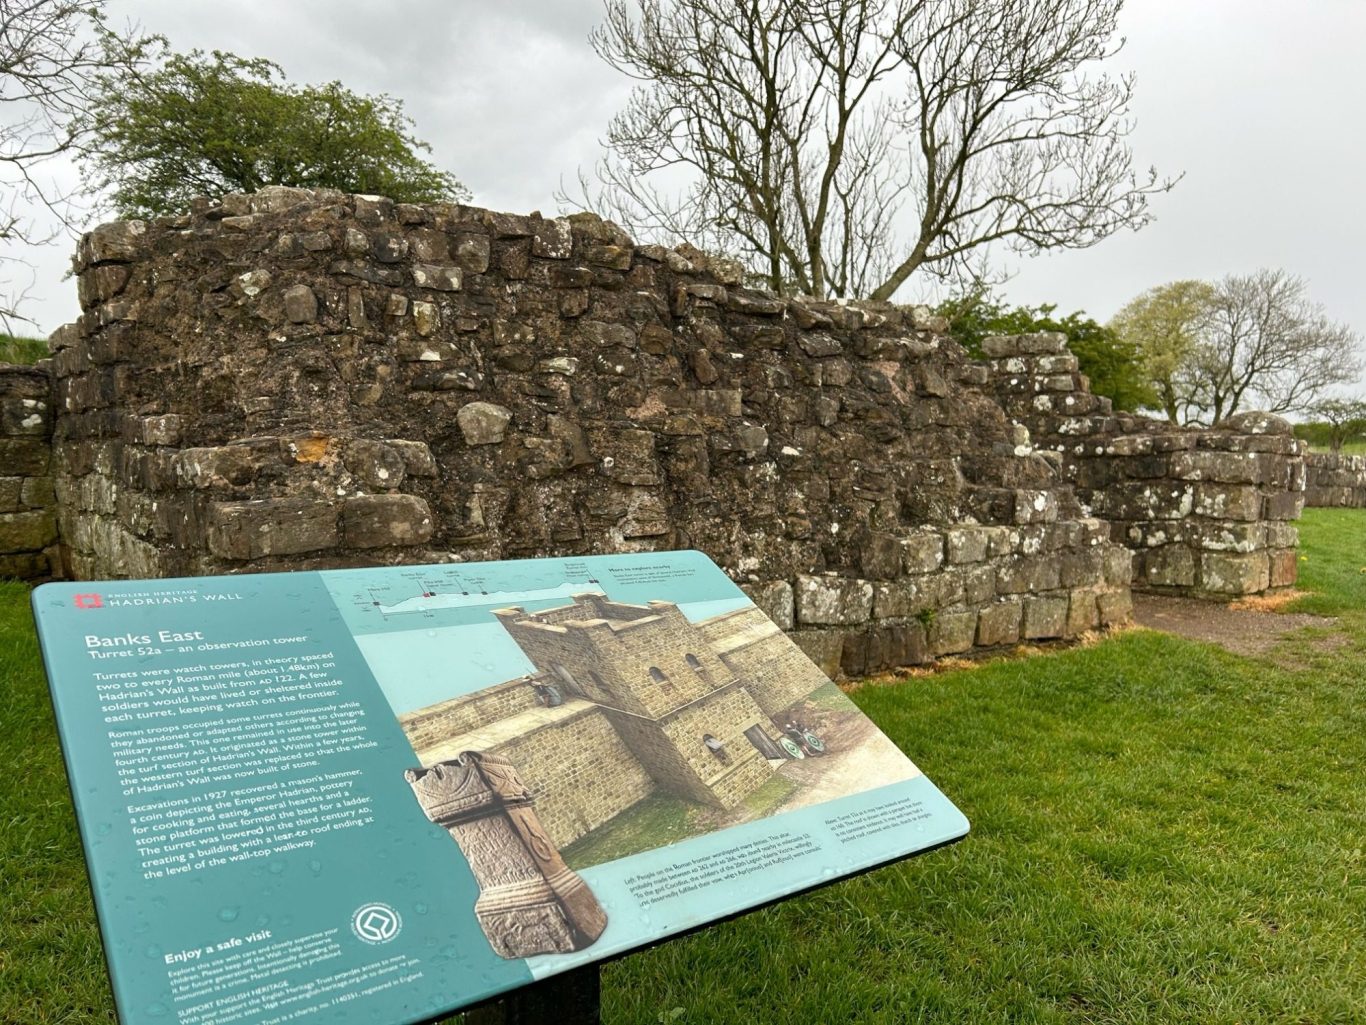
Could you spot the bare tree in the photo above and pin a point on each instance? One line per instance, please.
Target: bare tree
(801, 135)
(50, 53)
(1267, 346)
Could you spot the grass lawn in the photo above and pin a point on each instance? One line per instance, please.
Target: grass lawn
(1162, 832)
(22, 350)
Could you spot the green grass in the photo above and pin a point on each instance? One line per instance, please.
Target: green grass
(1162, 832)
(51, 968)
(767, 798)
(22, 350)
(654, 822)
(1349, 448)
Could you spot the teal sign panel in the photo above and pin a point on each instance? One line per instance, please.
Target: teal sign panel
(381, 795)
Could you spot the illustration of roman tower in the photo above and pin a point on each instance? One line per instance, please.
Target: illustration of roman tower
(677, 706)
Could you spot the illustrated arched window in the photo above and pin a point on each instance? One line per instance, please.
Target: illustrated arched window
(657, 675)
(694, 663)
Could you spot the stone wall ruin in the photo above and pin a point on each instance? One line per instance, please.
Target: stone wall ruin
(28, 525)
(1335, 480)
(299, 379)
(1206, 512)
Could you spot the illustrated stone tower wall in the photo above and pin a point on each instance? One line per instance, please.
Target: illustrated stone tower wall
(530, 901)
(659, 683)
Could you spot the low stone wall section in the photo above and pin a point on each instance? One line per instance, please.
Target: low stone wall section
(1334, 480)
(1204, 512)
(305, 379)
(28, 523)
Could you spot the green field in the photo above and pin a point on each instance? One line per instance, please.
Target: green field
(21, 350)
(1162, 832)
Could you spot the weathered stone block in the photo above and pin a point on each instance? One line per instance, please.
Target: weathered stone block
(1284, 505)
(833, 601)
(417, 457)
(273, 526)
(222, 466)
(966, 544)
(1281, 535)
(1080, 567)
(483, 423)
(1234, 574)
(553, 239)
(11, 490)
(1168, 566)
(1082, 612)
(1035, 507)
(952, 632)
(1227, 536)
(472, 253)
(1221, 467)
(1118, 565)
(25, 565)
(118, 241)
(823, 647)
(979, 583)
(376, 464)
(922, 552)
(24, 456)
(441, 278)
(1044, 618)
(1227, 502)
(628, 456)
(27, 531)
(1027, 573)
(1254, 421)
(880, 557)
(999, 623)
(301, 305)
(1283, 567)
(646, 515)
(379, 521)
(902, 598)
(1116, 607)
(606, 335)
(775, 599)
(36, 493)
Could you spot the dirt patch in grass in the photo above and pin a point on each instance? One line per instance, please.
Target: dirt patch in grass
(1246, 627)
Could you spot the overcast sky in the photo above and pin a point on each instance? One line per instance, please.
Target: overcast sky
(1259, 102)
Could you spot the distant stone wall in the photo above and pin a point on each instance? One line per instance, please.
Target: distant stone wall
(306, 379)
(1205, 512)
(28, 525)
(1335, 480)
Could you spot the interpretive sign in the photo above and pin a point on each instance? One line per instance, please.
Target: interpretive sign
(380, 795)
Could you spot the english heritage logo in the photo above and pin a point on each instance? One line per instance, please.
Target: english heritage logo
(376, 923)
(88, 601)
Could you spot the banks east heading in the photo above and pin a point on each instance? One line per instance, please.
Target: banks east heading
(134, 640)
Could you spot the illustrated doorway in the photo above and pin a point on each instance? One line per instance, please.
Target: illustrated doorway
(756, 736)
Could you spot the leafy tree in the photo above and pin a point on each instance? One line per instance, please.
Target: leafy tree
(1246, 341)
(205, 124)
(1111, 363)
(1165, 324)
(51, 54)
(803, 135)
(1341, 421)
